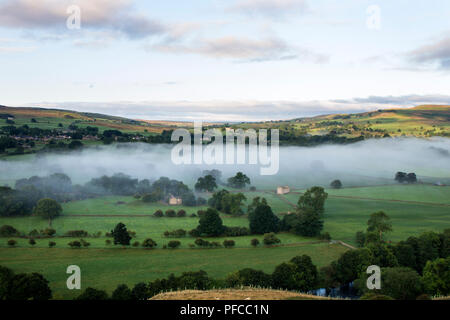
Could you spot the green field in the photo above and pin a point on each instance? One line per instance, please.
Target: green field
(106, 268)
(412, 208)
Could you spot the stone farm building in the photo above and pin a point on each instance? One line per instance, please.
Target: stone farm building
(174, 201)
(283, 190)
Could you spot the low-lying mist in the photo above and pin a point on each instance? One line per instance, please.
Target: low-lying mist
(365, 163)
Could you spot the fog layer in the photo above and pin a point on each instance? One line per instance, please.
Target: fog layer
(365, 163)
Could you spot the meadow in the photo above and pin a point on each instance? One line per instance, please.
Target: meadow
(413, 209)
(107, 268)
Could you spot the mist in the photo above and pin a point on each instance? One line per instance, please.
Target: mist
(371, 162)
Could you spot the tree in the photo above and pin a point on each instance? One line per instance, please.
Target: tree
(379, 223)
(207, 183)
(270, 239)
(411, 178)
(314, 199)
(122, 292)
(140, 292)
(121, 235)
(308, 223)
(29, 287)
(12, 243)
(174, 244)
(261, 218)
(239, 181)
(254, 242)
(228, 243)
(6, 276)
(93, 295)
(360, 239)
(232, 203)
(211, 224)
(48, 209)
(158, 214)
(248, 277)
(336, 184)
(436, 277)
(298, 274)
(382, 255)
(149, 243)
(399, 283)
(351, 264)
(400, 177)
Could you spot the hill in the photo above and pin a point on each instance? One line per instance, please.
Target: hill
(420, 121)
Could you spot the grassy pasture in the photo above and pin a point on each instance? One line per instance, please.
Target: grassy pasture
(413, 209)
(106, 268)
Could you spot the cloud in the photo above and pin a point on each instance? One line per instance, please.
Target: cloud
(270, 8)
(406, 100)
(114, 15)
(242, 49)
(238, 111)
(16, 49)
(435, 55)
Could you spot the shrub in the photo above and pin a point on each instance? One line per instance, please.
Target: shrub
(215, 244)
(170, 213)
(12, 242)
(51, 244)
(49, 232)
(174, 244)
(93, 295)
(236, 231)
(34, 233)
(32, 242)
(176, 233)
(98, 234)
(201, 213)
(181, 213)
(8, 231)
(77, 234)
(84, 243)
(149, 243)
(254, 242)
(193, 215)
(75, 244)
(228, 243)
(201, 243)
(325, 236)
(270, 239)
(136, 244)
(194, 233)
(122, 292)
(108, 242)
(336, 184)
(158, 214)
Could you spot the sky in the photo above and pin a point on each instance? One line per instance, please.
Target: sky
(224, 60)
